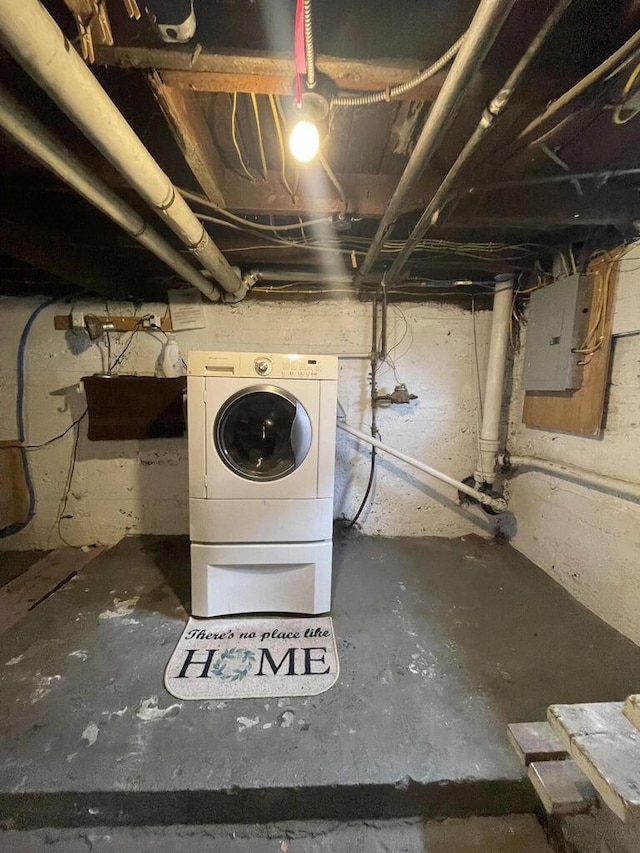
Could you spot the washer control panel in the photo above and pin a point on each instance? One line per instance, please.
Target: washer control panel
(264, 366)
(299, 367)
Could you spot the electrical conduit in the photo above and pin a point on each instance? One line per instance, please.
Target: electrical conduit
(35, 41)
(498, 504)
(22, 126)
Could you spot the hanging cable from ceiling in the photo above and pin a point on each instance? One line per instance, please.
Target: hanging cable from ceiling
(234, 109)
(263, 159)
(401, 88)
(283, 156)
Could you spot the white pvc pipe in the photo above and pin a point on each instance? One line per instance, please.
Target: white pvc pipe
(23, 127)
(35, 41)
(599, 481)
(498, 504)
(496, 365)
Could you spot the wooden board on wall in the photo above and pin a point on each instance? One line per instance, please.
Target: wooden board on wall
(579, 411)
(14, 496)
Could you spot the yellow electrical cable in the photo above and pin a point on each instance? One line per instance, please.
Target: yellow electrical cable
(591, 345)
(276, 120)
(617, 113)
(235, 140)
(263, 159)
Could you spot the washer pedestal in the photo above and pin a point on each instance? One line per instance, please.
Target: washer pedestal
(271, 578)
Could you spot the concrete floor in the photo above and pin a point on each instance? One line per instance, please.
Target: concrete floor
(441, 643)
(513, 834)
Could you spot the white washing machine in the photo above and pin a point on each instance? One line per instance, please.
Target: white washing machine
(262, 432)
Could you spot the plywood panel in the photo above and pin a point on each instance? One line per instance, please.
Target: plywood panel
(578, 411)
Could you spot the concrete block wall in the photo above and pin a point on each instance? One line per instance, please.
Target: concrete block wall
(587, 540)
(141, 487)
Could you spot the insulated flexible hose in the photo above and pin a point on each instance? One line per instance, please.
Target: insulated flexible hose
(392, 91)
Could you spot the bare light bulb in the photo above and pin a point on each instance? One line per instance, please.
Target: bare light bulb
(304, 142)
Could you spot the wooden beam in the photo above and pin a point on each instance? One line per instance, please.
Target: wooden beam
(187, 121)
(64, 322)
(265, 73)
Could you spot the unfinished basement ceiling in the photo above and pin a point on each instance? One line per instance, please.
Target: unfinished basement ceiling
(510, 206)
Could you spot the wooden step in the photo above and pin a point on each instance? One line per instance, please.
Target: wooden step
(562, 787)
(606, 747)
(631, 710)
(535, 742)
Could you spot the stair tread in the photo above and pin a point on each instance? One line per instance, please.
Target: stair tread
(632, 710)
(535, 742)
(562, 787)
(606, 748)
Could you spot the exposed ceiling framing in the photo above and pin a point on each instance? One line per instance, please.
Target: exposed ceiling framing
(188, 120)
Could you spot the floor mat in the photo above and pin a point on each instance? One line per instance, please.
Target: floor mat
(246, 658)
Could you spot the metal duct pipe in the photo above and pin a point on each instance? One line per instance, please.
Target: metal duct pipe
(485, 26)
(35, 41)
(492, 409)
(488, 121)
(498, 504)
(25, 129)
(624, 488)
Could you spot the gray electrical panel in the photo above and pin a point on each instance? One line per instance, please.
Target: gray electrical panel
(557, 325)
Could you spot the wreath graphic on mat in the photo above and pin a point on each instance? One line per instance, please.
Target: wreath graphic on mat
(233, 664)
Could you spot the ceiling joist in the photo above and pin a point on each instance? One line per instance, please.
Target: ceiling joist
(266, 74)
(186, 119)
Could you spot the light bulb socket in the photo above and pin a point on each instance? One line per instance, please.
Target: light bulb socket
(314, 107)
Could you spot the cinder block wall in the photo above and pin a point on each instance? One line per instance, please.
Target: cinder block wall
(141, 487)
(587, 540)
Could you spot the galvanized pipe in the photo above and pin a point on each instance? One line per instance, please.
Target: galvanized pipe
(624, 488)
(35, 41)
(498, 504)
(489, 18)
(488, 121)
(25, 129)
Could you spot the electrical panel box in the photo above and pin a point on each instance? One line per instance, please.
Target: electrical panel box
(557, 325)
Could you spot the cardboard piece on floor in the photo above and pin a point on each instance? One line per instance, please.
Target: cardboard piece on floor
(250, 658)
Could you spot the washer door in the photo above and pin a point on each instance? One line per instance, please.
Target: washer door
(262, 433)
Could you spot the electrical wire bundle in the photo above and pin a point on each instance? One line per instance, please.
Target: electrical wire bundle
(595, 335)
